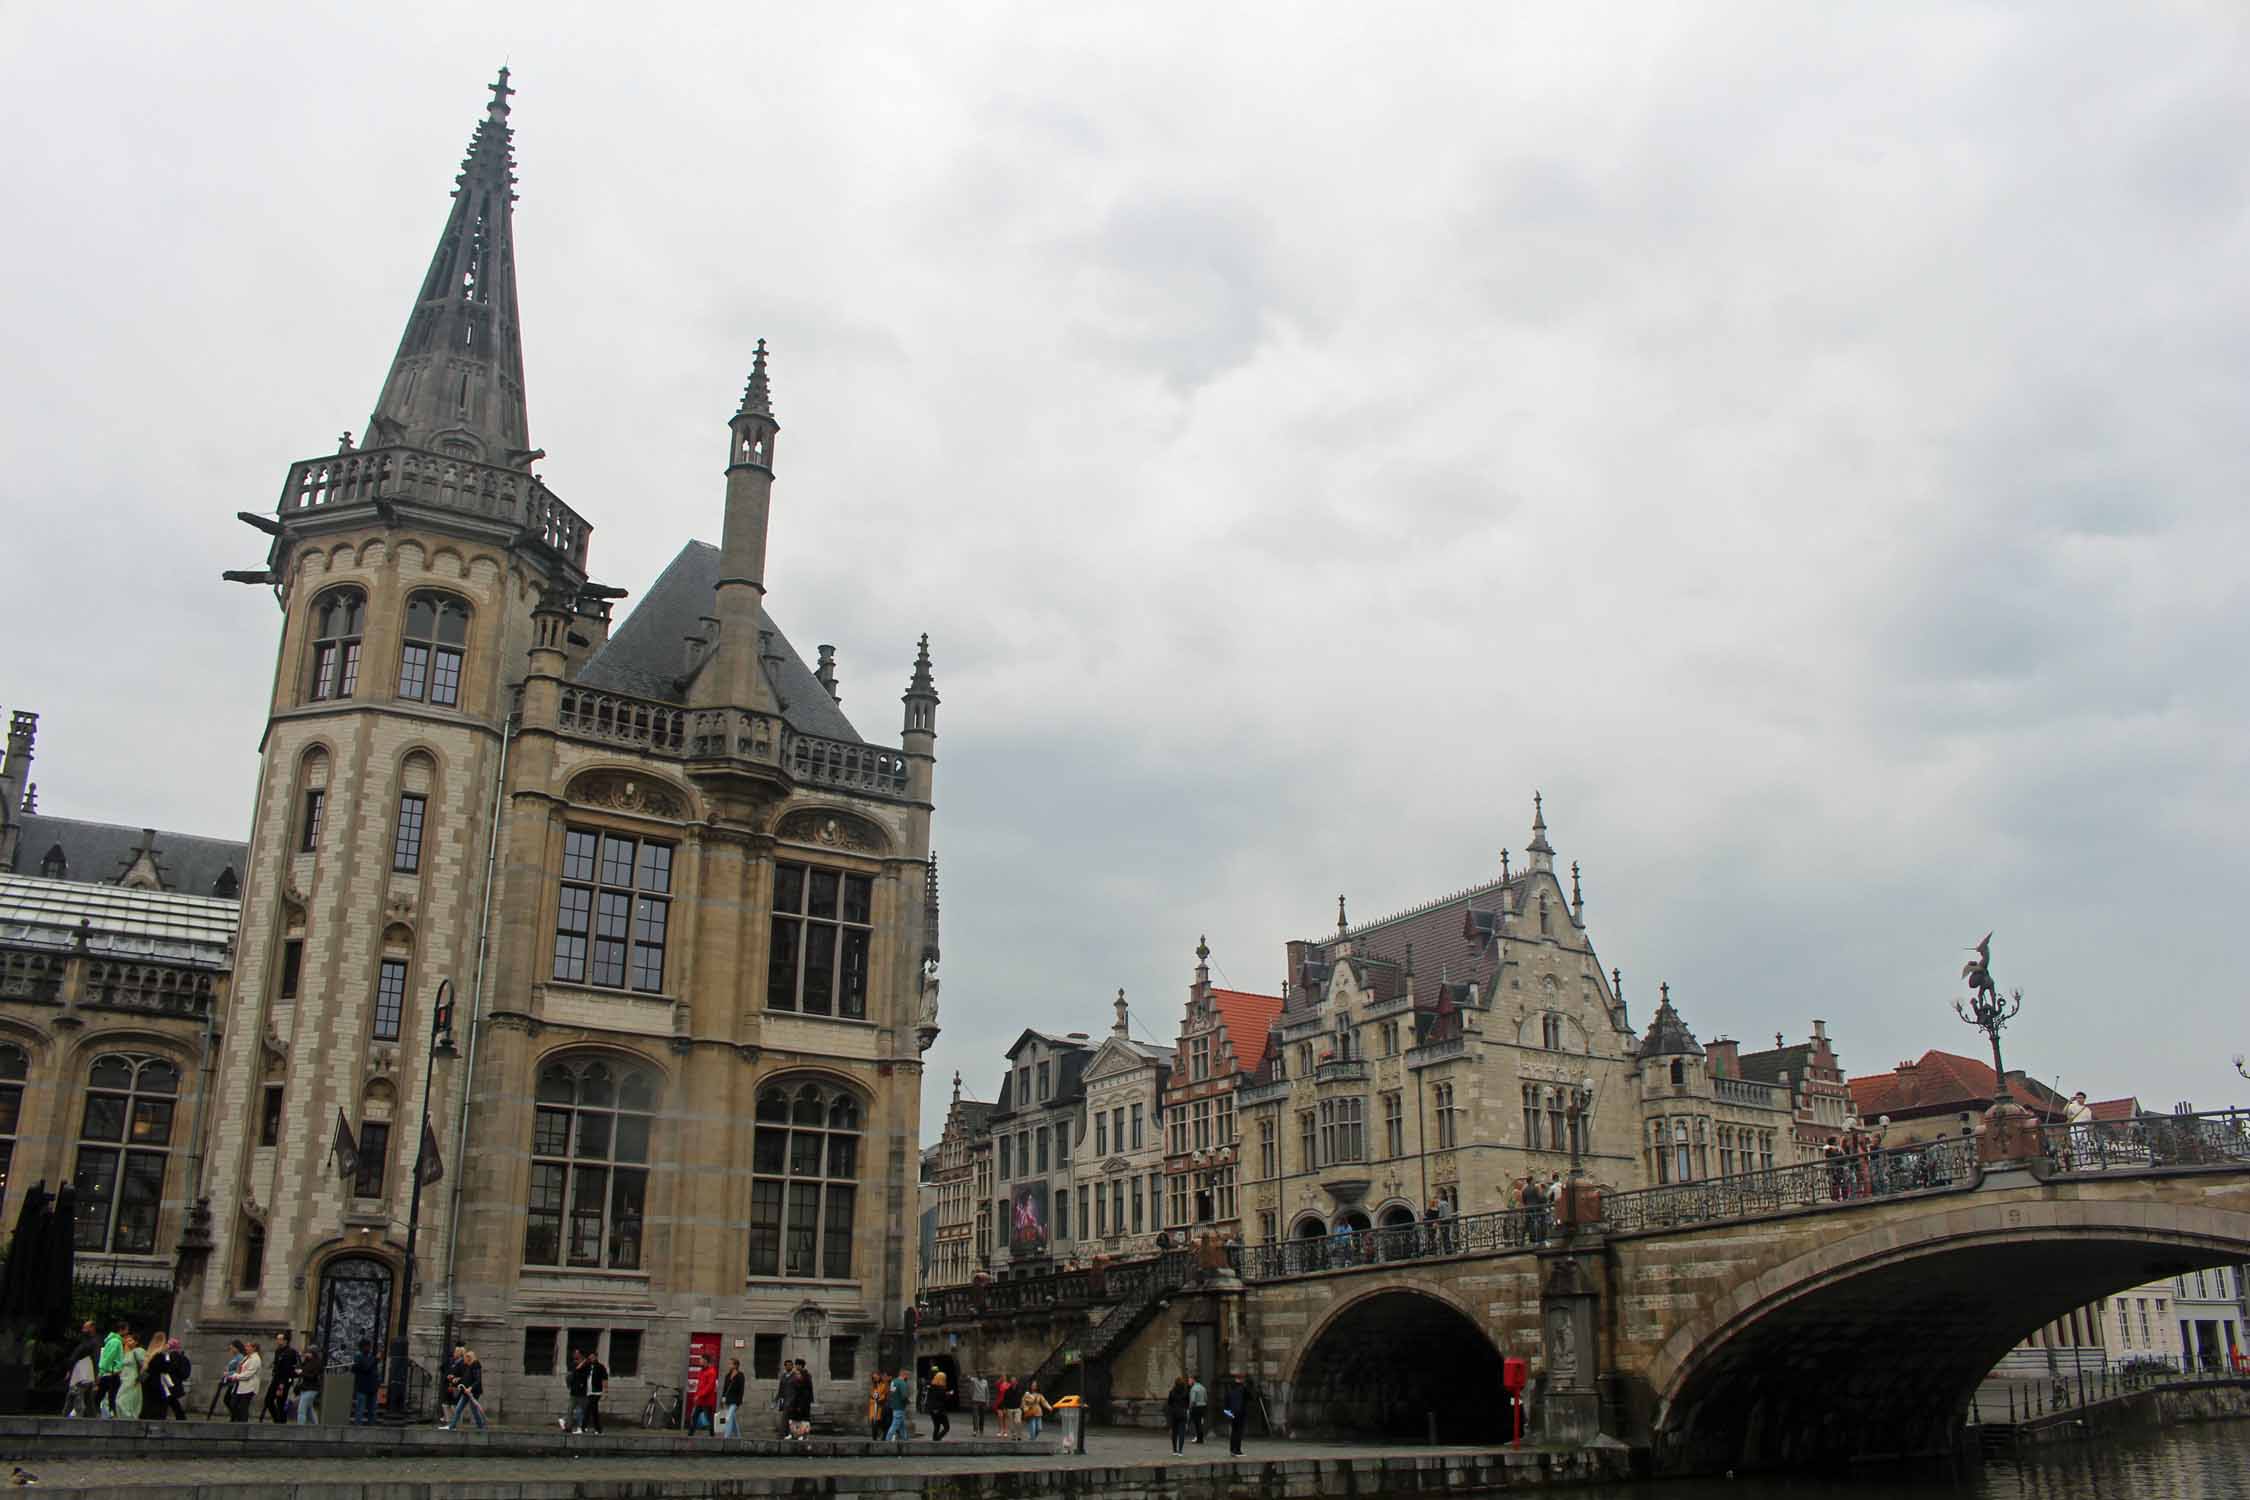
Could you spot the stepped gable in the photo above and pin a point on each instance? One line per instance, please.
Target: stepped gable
(646, 656)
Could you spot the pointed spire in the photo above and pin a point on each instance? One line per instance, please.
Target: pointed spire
(757, 396)
(1343, 925)
(456, 384)
(930, 911)
(1122, 1029)
(921, 697)
(956, 1085)
(1504, 873)
(1577, 899)
(1542, 853)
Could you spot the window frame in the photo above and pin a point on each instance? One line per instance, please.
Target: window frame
(850, 942)
(592, 1156)
(121, 1189)
(406, 833)
(595, 913)
(442, 661)
(335, 655)
(810, 1198)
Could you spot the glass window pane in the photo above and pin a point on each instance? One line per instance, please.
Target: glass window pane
(821, 901)
(111, 1073)
(617, 860)
(611, 913)
(781, 966)
(632, 1138)
(773, 1104)
(769, 1151)
(656, 868)
(550, 1134)
(570, 958)
(97, 1187)
(453, 623)
(105, 1118)
(800, 1234)
(789, 888)
(597, 1085)
(158, 1077)
(421, 616)
(628, 1195)
(843, 1156)
(804, 1153)
(152, 1122)
(859, 900)
(836, 1235)
(445, 678)
(556, 1086)
(11, 1109)
(608, 967)
(820, 970)
(765, 1227)
(12, 1062)
(413, 671)
(578, 855)
(852, 995)
(138, 1198)
(593, 1134)
(635, 1091)
(588, 1188)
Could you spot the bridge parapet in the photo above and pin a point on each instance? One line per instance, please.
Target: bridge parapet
(2212, 1138)
(1934, 1166)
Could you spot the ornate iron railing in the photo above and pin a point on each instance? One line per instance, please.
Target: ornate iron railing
(2219, 1137)
(1928, 1167)
(1430, 1239)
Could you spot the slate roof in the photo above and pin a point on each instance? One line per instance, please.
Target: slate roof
(98, 853)
(1668, 1035)
(1769, 1065)
(121, 922)
(1943, 1083)
(1070, 1073)
(1452, 938)
(645, 655)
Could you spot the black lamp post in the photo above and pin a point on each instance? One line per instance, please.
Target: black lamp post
(1988, 1011)
(1581, 1097)
(441, 1045)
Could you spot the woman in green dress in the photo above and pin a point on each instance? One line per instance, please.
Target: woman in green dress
(129, 1378)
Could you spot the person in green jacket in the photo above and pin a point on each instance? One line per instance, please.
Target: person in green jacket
(107, 1366)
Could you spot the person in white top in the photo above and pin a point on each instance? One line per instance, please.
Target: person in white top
(2077, 1122)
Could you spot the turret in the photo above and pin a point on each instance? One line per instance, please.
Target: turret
(736, 677)
(1542, 853)
(15, 783)
(918, 734)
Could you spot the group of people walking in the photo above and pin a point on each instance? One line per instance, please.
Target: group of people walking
(1187, 1408)
(120, 1376)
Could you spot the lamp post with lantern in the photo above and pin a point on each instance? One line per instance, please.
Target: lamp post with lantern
(427, 1168)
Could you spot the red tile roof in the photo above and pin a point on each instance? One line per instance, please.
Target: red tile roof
(1247, 1018)
(1941, 1083)
(2106, 1110)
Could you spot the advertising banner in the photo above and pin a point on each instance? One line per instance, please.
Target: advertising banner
(1027, 1226)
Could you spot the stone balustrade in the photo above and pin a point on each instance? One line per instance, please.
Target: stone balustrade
(514, 496)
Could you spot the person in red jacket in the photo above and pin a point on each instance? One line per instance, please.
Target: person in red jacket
(703, 1403)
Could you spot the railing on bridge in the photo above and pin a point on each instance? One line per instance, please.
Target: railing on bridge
(1842, 1179)
(1473, 1234)
(2219, 1137)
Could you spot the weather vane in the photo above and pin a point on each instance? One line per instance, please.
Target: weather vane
(1986, 1010)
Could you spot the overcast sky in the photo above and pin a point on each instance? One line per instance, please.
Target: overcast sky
(1806, 442)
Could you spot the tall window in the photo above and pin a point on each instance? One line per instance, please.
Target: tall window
(1136, 1127)
(374, 1155)
(390, 998)
(1308, 1141)
(1683, 1166)
(1199, 1057)
(1557, 1139)
(1179, 1200)
(1268, 1163)
(339, 620)
(822, 924)
(589, 1166)
(1726, 1151)
(616, 907)
(1202, 1116)
(1138, 1214)
(804, 1165)
(1117, 1124)
(406, 842)
(13, 1068)
(1531, 1116)
(292, 967)
(1179, 1130)
(1550, 1033)
(429, 664)
(1041, 1138)
(1224, 1126)
(308, 827)
(1007, 1168)
(1101, 1132)
(1394, 1125)
(124, 1143)
(1046, 1085)
(1443, 1095)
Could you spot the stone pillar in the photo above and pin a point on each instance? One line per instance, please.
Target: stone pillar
(1568, 1409)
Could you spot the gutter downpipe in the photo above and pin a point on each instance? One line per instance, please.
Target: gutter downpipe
(475, 1029)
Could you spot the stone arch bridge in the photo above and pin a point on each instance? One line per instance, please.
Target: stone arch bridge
(1811, 1314)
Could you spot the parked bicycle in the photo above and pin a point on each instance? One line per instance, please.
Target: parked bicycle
(663, 1408)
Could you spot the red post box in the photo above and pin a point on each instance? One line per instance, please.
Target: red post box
(1513, 1376)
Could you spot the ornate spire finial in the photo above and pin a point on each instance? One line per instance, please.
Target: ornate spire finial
(1504, 875)
(930, 913)
(498, 109)
(922, 679)
(956, 1085)
(1664, 994)
(757, 396)
(1617, 982)
(1203, 950)
(1577, 901)
(1342, 923)
(1122, 1029)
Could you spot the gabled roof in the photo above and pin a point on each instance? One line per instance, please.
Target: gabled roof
(99, 853)
(646, 654)
(1668, 1035)
(1769, 1065)
(1247, 1018)
(2107, 1110)
(1072, 1056)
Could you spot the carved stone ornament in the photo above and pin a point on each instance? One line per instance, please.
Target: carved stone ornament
(625, 793)
(832, 830)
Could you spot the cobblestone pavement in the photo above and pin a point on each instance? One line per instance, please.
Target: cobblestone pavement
(1106, 1448)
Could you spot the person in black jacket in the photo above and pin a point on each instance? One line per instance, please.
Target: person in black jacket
(467, 1376)
(575, 1383)
(1234, 1405)
(366, 1376)
(1176, 1412)
(285, 1360)
(730, 1401)
(597, 1385)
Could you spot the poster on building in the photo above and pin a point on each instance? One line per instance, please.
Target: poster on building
(1027, 1229)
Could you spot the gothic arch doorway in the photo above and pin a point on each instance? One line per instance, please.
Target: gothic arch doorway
(1398, 1216)
(354, 1303)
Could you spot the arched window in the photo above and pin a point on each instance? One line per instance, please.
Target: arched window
(13, 1067)
(437, 633)
(1550, 1032)
(53, 865)
(803, 1193)
(124, 1146)
(589, 1165)
(339, 620)
(1683, 1169)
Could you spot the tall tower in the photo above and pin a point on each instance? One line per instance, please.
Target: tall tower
(408, 571)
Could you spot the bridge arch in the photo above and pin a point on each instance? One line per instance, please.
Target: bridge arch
(1382, 1363)
(1870, 1345)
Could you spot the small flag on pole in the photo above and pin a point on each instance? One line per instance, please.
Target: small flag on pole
(344, 1151)
(429, 1162)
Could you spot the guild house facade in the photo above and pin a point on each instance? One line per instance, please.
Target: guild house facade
(680, 913)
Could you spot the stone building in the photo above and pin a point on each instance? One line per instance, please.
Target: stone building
(1811, 1072)
(1033, 1125)
(1223, 1042)
(1943, 1094)
(681, 912)
(1118, 1162)
(1390, 1087)
(1699, 1116)
(963, 1192)
(116, 953)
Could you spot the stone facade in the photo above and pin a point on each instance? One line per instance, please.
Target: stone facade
(1223, 1044)
(962, 1178)
(1034, 1125)
(684, 915)
(1117, 1165)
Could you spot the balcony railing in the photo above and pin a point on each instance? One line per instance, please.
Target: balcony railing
(2210, 1139)
(1344, 1070)
(1431, 1239)
(1261, 1093)
(1743, 1091)
(655, 727)
(1437, 1051)
(839, 763)
(514, 496)
(154, 988)
(1924, 1168)
(31, 976)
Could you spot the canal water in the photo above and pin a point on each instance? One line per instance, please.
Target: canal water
(2206, 1461)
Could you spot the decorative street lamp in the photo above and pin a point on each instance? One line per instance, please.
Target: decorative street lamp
(2238, 1066)
(1987, 1011)
(1580, 1097)
(427, 1168)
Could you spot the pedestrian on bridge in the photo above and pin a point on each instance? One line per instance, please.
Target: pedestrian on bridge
(1199, 1407)
(1176, 1413)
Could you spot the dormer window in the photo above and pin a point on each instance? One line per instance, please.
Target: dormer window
(227, 887)
(53, 866)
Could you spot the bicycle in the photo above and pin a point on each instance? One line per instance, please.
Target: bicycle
(662, 1408)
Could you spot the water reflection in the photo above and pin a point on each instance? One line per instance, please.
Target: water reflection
(2210, 1461)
